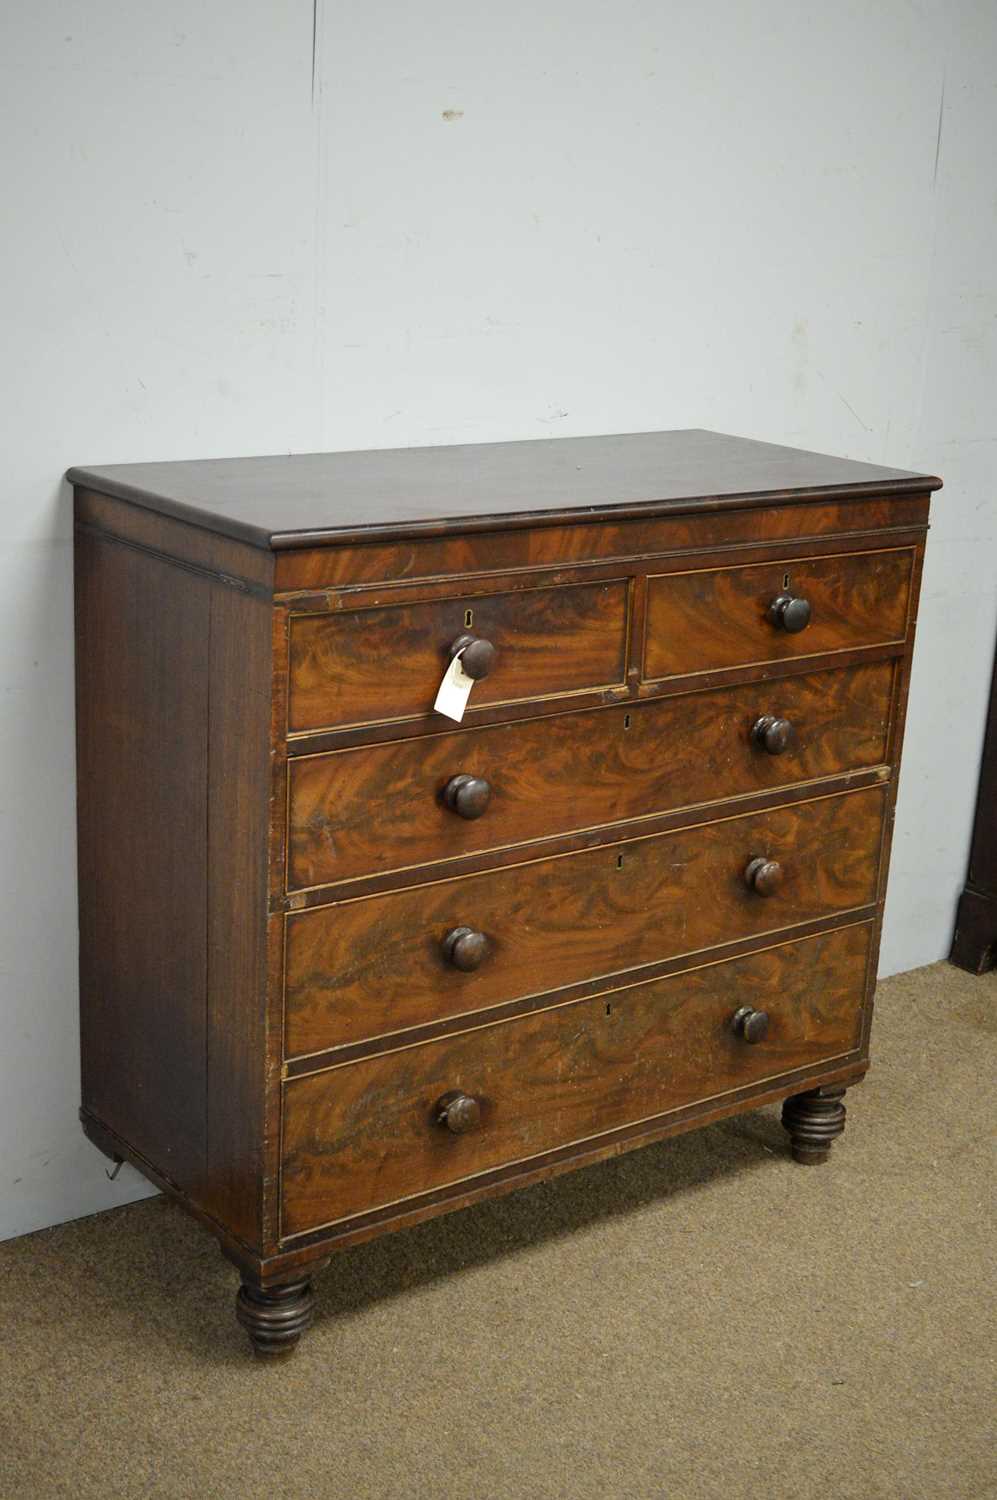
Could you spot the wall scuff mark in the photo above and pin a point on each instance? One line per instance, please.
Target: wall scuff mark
(938, 138)
(314, 43)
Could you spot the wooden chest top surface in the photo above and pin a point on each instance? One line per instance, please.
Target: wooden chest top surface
(293, 500)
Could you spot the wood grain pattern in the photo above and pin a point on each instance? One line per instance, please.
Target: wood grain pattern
(296, 1067)
(239, 1073)
(372, 664)
(898, 718)
(292, 500)
(382, 808)
(362, 968)
(142, 731)
(315, 568)
(211, 596)
(365, 1134)
(192, 547)
(704, 620)
(174, 761)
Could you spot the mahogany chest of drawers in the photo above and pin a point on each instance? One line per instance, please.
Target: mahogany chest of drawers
(347, 962)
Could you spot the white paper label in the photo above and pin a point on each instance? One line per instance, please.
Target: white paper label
(455, 689)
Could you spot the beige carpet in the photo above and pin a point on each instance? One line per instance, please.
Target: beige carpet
(702, 1318)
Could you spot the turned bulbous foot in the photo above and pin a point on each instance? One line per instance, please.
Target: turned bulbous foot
(814, 1122)
(275, 1317)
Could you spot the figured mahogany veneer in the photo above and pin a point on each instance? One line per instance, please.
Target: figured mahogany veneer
(565, 1074)
(360, 666)
(711, 618)
(378, 964)
(310, 571)
(551, 775)
(345, 964)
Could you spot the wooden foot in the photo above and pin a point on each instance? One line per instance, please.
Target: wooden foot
(814, 1121)
(275, 1317)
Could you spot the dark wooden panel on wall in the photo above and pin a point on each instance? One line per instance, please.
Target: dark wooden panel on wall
(551, 775)
(974, 942)
(704, 620)
(560, 1075)
(365, 665)
(362, 968)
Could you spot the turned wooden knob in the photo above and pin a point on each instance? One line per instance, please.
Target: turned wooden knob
(773, 734)
(750, 1024)
(764, 876)
(467, 795)
(787, 612)
(458, 1112)
(479, 655)
(465, 948)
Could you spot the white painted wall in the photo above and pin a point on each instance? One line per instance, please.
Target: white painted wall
(487, 222)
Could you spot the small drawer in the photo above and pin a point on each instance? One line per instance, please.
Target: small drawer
(716, 618)
(449, 795)
(369, 1133)
(367, 666)
(374, 965)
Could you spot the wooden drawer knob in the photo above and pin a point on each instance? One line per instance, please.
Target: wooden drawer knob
(479, 655)
(465, 948)
(458, 1112)
(763, 876)
(787, 612)
(750, 1024)
(773, 734)
(468, 796)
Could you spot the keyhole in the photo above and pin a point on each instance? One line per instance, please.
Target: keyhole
(785, 580)
(609, 1010)
(619, 861)
(626, 721)
(469, 618)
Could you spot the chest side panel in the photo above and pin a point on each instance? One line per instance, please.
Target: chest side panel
(142, 754)
(173, 710)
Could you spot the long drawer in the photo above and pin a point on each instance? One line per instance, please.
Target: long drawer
(369, 1133)
(543, 777)
(713, 618)
(375, 965)
(371, 665)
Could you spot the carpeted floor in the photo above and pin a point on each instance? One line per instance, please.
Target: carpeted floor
(702, 1318)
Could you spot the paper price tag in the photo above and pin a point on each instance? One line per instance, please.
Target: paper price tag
(455, 689)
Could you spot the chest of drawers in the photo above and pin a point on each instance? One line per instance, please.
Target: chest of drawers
(347, 963)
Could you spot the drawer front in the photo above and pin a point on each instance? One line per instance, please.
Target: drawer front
(364, 1135)
(366, 666)
(707, 620)
(358, 812)
(366, 967)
